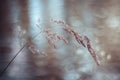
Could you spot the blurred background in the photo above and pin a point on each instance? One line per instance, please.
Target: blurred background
(98, 19)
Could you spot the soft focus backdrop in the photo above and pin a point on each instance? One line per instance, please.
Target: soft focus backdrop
(98, 19)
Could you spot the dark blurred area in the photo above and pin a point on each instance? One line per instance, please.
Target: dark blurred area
(6, 33)
(100, 20)
(8, 23)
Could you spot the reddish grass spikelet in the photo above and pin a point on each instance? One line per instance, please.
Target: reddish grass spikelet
(68, 29)
(33, 49)
(72, 32)
(50, 42)
(91, 50)
(79, 39)
(62, 38)
(52, 38)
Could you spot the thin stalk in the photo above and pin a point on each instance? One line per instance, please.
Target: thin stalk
(2, 72)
